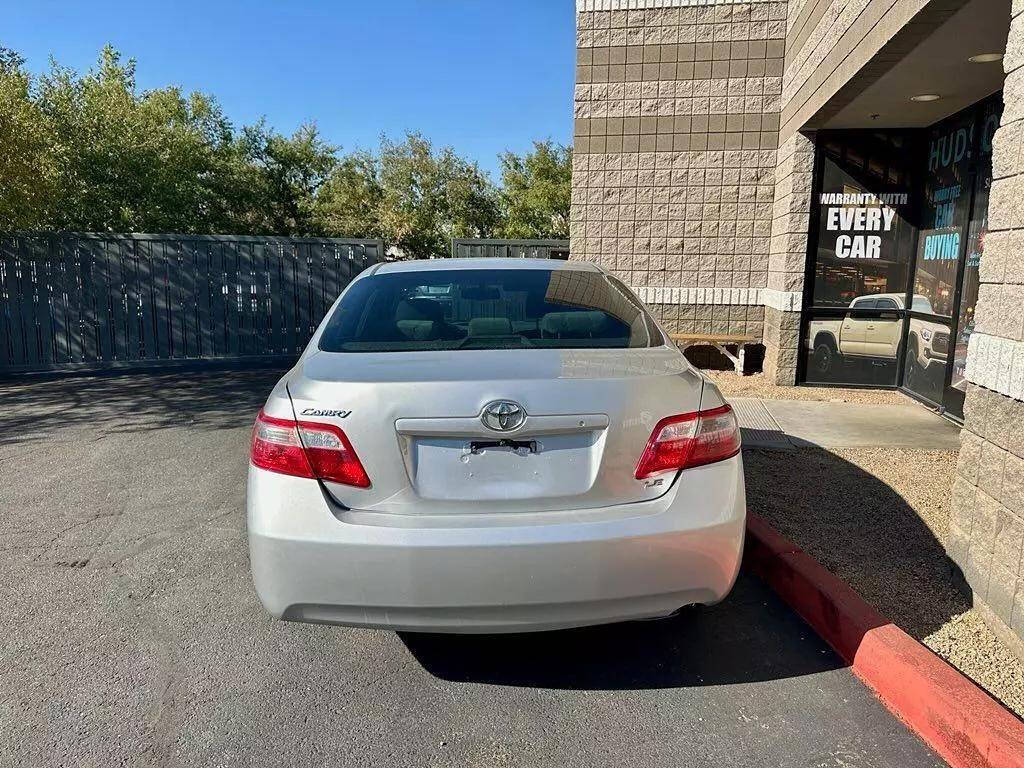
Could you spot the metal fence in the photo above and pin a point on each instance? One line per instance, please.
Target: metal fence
(103, 301)
(523, 249)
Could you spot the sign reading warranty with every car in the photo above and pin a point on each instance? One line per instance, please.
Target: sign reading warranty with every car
(861, 218)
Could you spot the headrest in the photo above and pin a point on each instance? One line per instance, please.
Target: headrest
(573, 324)
(419, 309)
(417, 330)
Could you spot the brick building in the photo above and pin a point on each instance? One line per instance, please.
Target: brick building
(842, 180)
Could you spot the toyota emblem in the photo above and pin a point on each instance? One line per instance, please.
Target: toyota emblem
(503, 416)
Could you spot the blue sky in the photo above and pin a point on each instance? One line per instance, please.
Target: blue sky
(480, 75)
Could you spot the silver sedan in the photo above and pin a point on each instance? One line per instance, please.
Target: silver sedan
(492, 445)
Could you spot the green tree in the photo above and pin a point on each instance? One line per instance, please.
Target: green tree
(349, 203)
(535, 192)
(27, 173)
(430, 197)
(185, 185)
(10, 61)
(125, 161)
(92, 152)
(284, 176)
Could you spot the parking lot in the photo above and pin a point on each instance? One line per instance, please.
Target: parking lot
(131, 633)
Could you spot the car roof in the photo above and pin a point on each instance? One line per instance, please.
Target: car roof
(430, 265)
(899, 297)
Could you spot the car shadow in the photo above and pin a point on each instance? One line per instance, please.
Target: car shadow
(853, 522)
(751, 636)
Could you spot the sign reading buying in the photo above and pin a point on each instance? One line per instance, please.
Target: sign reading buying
(863, 221)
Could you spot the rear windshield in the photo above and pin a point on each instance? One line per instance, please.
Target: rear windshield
(487, 309)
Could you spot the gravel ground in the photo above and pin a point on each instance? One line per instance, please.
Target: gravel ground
(757, 385)
(890, 525)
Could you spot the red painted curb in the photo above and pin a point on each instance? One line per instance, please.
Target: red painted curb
(956, 718)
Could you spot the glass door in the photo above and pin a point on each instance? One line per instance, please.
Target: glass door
(944, 287)
(856, 284)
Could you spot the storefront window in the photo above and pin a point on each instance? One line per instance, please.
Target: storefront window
(864, 236)
(946, 207)
(900, 233)
(954, 220)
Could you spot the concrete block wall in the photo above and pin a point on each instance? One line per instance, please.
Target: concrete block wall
(787, 257)
(986, 532)
(677, 114)
(986, 527)
(677, 181)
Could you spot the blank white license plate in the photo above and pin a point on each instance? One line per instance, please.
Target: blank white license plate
(448, 468)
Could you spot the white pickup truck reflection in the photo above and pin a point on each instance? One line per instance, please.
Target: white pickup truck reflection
(878, 337)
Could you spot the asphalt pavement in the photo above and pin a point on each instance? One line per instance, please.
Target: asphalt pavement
(131, 635)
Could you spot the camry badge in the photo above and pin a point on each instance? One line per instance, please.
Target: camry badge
(323, 412)
(503, 416)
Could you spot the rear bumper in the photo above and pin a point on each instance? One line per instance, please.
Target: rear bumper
(494, 573)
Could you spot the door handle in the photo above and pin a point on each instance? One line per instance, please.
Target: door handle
(871, 327)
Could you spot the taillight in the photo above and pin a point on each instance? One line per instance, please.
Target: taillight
(690, 440)
(331, 455)
(306, 449)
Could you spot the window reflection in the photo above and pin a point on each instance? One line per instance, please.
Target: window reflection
(864, 232)
(860, 347)
(924, 369)
(946, 206)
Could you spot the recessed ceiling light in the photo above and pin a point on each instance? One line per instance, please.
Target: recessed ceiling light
(983, 58)
(926, 97)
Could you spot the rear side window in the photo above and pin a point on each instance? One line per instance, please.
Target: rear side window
(922, 304)
(487, 309)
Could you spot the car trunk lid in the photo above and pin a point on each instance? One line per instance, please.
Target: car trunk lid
(414, 419)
